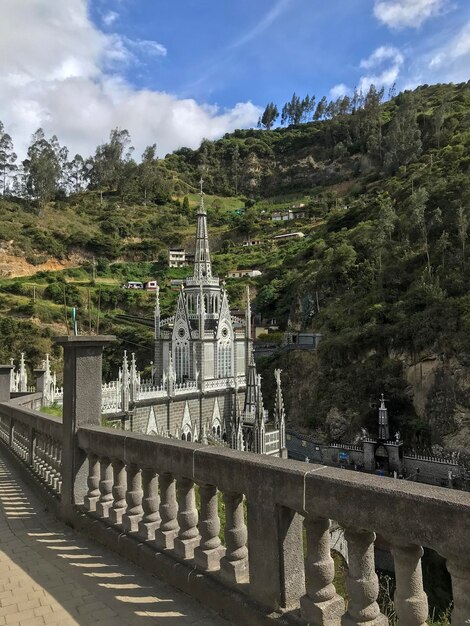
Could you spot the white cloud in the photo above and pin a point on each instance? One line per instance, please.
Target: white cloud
(448, 62)
(338, 91)
(400, 14)
(110, 17)
(383, 67)
(146, 46)
(263, 24)
(59, 71)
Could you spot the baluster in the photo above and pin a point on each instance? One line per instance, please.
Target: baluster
(133, 515)
(234, 565)
(411, 603)
(38, 457)
(209, 552)
(119, 492)
(105, 485)
(45, 464)
(188, 536)
(165, 535)
(56, 478)
(362, 581)
(32, 448)
(460, 573)
(321, 604)
(59, 469)
(150, 503)
(51, 473)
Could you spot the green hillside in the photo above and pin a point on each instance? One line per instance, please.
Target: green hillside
(382, 272)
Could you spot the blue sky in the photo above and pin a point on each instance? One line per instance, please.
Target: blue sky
(226, 52)
(173, 72)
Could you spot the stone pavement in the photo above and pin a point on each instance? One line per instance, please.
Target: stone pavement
(50, 575)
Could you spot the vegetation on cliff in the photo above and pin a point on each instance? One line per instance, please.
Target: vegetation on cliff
(383, 271)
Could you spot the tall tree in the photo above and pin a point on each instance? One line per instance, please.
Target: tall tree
(108, 162)
(321, 109)
(42, 169)
(403, 141)
(385, 224)
(148, 172)
(424, 219)
(462, 229)
(7, 157)
(269, 116)
(236, 166)
(292, 111)
(75, 172)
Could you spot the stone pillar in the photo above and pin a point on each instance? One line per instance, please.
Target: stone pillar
(93, 482)
(5, 374)
(150, 503)
(106, 486)
(133, 515)
(165, 535)
(277, 577)
(209, 552)
(40, 380)
(119, 492)
(411, 603)
(460, 573)
(188, 535)
(362, 581)
(321, 605)
(81, 407)
(234, 565)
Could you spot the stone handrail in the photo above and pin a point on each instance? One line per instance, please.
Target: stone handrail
(147, 485)
(138, 493)
(34, 438)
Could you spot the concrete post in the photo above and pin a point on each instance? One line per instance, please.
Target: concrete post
(40, 380)
(5, 373)
(81, 407)
(276, 575)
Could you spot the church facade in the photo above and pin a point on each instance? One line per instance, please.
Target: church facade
(206, 387)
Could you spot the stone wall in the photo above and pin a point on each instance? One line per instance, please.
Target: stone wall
(163, 415)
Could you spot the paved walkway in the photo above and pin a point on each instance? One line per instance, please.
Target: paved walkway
(50, 575)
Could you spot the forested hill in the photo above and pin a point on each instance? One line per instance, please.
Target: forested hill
(383, 272)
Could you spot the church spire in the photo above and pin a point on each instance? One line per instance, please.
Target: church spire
(251, 393)
(384, 430)
(157, 313)
(202, 259)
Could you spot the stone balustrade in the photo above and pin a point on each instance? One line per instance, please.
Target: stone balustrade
(36, 440)
(247, 534)
(265, 502)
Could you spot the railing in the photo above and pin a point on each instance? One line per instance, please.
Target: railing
(147, 485)
(151, 495)
(36, 440)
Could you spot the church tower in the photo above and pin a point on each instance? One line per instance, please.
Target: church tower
(205, 342)
(384, 430)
